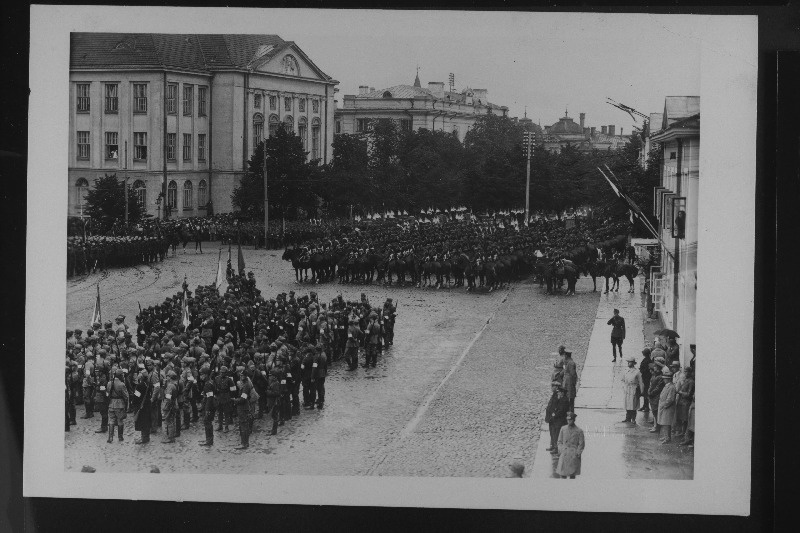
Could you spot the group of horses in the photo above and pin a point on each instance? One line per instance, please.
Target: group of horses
(457, 269)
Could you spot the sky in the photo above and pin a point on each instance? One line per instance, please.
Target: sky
(548, 63)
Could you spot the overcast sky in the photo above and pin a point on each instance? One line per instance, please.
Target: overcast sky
(547, 62)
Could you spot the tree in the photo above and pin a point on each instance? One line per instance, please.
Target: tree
(291, 180)
(346, 181)
(105, 202)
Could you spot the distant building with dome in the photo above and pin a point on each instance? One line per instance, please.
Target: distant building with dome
(415, 107)
(567, 132)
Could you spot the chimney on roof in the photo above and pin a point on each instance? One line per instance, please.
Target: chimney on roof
(363, 89)
(603, 130)
(620, 131)
(593, 130)
(583, 117)
(611, 129)
(371, 89)
(481, 95)
(437, 89)
(586, 131)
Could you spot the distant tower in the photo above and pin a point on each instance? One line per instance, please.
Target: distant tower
(416, 80)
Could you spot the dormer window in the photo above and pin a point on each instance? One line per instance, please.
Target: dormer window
(387, 94)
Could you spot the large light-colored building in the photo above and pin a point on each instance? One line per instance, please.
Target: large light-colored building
(415, 107)
(567, 132)
(180, 115)
(676, 206)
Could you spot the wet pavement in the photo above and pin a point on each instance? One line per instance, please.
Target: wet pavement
(614, 449)
(461, 392)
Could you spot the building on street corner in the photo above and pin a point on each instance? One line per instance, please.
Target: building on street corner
(676, 207)
(180, 115)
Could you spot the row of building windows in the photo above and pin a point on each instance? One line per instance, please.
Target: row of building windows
(364, 125)
(111, 100)
(287, 103)
(140, 146)
(302, 131)
(140, 191)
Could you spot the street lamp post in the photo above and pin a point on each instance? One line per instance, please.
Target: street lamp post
(266, 197)
(126, 184)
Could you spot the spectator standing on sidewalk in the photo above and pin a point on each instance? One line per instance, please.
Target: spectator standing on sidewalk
(570, 382)
(673, 351)
(617, 333)
(633, 385)
(644, 370)
(556, 415)
(666, 406)
(685, 395)
(570, 447)
(654, 391)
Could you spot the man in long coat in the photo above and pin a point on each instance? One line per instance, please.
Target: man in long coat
(556, 415)
(570, 447)
(142, 420)
(666, 406)
(169, 405)
(632, 385)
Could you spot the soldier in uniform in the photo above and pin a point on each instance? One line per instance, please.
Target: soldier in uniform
(100, 396)
(319, 371)
(389, 314)
(88, 385)
(169, 406)
(354, 335)
(242, 401)
(373, 338)
(208, 406)
(118, 406)
(274, 398)
(223, 386)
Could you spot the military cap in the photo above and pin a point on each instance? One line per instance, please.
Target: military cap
(172, 374)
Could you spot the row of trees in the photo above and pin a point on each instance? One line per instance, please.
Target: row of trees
(390, 169)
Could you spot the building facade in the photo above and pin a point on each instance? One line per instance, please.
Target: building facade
(415, 108)
(567, 132)
(179, 116)
(676, 206)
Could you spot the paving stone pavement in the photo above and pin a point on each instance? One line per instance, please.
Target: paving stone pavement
(616, 450)
(432, 407)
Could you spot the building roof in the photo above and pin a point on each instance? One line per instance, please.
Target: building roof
(679, 107)
(566, 126)
(204, 52)
(414, 91)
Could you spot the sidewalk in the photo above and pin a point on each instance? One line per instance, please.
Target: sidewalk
(615, 450)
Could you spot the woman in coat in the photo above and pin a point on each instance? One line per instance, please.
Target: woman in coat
(685, 394)
(654, 390)
(570, 447)
(666, 405)
(633, 385)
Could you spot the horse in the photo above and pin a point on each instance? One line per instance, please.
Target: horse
(567, 270)
(299, 263)
(629, 271)
(606, 270)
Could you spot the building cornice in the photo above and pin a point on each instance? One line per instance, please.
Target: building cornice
(671, 134)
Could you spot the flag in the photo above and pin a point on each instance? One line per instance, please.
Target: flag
(185, 314)
(631, 213)
(97, 317)
(241, 261)
(219, 278)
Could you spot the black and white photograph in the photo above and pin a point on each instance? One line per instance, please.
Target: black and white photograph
(381, 258)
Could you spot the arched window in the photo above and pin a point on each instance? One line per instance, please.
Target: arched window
(140, 190)
(273, 125)
(187, 194)
(289, 121)
(81, 188)
(315, 139)
(387, 94)
(202, 193)
(172, 195)
(302, 131)
(258, 130)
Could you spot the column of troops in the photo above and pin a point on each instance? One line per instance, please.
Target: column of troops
(241, 357)
(87, 255)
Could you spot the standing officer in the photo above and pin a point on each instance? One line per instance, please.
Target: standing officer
(223, 386)
(88, 385)
(169, 405)
(141, 407)
(389, 314)
(242, 402)
(154, 379)
(617, 333)
(354, 335)
(118, 406)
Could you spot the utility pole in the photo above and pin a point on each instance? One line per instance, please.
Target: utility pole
(529, 136)
(266, 198)
(126, 185)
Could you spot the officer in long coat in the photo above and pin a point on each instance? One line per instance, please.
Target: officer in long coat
(570, 378)
(142, 418)
(571, 443)
(208, 406)
(319, 371)
(224, 386)
(242, 402)
(373, 338)
(118, 405)
(101, 396)
(666, 406)
(88, 385)
(169, 405)
(354, 335)
(556, 415)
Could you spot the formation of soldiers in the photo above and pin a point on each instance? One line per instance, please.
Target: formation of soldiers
(241, 357)
(87, 255)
